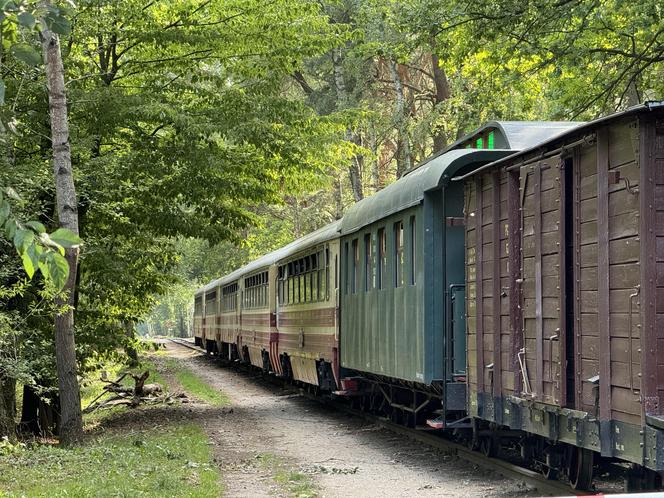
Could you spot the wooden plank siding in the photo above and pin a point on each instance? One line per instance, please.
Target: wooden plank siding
(586, 275)
(652, 133)
(541, 271)
(471, 283)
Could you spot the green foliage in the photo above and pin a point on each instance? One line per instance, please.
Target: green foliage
(37, 248)
(174, 460)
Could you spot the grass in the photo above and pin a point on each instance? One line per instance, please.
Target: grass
(146, 452)
(195, 386)
(296, 484)
(175, 461)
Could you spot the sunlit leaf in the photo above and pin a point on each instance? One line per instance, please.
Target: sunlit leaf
(58, 269)
(22, 239)
(65, 238)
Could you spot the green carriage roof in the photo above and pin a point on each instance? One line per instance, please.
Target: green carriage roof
(435, 171)
(310, 240)
(409, 190)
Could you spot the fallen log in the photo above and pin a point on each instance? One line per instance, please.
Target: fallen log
(130, 396)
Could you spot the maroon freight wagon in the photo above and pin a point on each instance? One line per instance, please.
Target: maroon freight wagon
(565, 297)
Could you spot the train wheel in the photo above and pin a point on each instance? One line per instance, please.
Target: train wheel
(550, 470)
(581, 463)
(489, 446)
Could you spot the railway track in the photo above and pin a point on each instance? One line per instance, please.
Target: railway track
(502, 467)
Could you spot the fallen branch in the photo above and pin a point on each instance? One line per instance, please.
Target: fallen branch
(140, 393)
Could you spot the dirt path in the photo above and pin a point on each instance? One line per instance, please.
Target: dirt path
(344, 455)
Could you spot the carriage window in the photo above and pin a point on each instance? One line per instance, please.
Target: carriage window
(323, 276)
(413, 250)
(229, 298)
(368, 263)
(347, 265)
(490, 140)
(211, 303)
(256, 291)
(356, 267)
(198, 306)
(398, 254)
(480, 143)
(382, 258)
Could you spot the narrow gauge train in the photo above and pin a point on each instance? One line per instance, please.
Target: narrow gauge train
(408, 309)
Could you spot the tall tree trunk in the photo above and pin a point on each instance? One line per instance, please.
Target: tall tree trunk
(7, 408)
(404, 157)
(376, 181)
(71, 428)
(442, 94)
(338, 199)
(130, 334)
(30, 411)
(343, 102)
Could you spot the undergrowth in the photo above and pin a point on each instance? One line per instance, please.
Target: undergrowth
(175, 461)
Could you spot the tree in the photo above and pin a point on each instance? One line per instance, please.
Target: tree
(71, 421)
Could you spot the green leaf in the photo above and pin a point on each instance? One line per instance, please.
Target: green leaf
(28, 264)
(12, 194)
(58, 269)
(5, 209)
(26, 53)
(57, 23)
(65, 238)
(10, 229)
(22, 239)
(26, 19)
(36, 226)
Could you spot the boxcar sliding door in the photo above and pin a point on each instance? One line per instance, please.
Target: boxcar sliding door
(543, 275)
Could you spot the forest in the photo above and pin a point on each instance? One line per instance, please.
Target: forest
(148, 147)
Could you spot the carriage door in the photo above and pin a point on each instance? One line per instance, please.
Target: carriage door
(543, 266)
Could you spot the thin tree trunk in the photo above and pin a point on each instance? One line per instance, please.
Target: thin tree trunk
(30, 411)
(338, 199)
(404, 158)
(343, 102)
(7, 408)
(375, 163)
(71, 428)
(130, 334)
(442, 94)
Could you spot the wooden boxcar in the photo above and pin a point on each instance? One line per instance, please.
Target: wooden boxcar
(565, 295)
(402, 280)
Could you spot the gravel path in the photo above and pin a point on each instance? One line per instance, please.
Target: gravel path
(344, 455)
